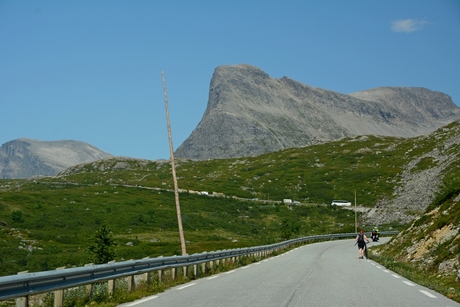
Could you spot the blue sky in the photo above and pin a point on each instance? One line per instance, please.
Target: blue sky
(91, 70)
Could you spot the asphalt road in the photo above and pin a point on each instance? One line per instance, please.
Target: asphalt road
(319, 274)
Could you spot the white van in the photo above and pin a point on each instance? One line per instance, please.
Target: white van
(342, 203)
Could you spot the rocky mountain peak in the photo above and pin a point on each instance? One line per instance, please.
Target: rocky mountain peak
(249, 113)
(24, 158)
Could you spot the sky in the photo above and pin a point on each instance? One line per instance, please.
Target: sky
(91, 71)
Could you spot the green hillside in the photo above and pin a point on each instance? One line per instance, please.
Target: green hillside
(48, 222)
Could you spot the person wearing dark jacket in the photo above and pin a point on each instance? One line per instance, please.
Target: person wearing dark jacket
(361, 240)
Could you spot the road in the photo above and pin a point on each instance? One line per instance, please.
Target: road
(319, 274)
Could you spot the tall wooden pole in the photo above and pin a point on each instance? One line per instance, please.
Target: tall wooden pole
(176, 189)
(356, 220)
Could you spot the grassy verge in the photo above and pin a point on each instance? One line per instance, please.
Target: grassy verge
(446, 285)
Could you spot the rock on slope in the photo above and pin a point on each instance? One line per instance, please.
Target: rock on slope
(23, 158)
(249, 113)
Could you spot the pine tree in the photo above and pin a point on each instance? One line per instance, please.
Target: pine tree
(101, 247)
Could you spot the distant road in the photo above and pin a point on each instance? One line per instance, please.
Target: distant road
(319, 274)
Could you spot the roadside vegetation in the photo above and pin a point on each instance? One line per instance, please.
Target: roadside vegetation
(428, 251)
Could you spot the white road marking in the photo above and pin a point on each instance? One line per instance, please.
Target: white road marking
(186, 286)
(230, 272)
(427, 293)
(212, 277)
(408, 283)
(142, 300)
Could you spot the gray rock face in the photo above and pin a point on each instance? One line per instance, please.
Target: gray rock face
(24, 158)
(249, 113)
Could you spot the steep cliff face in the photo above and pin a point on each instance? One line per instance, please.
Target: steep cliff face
(249, 113)
(24, 158)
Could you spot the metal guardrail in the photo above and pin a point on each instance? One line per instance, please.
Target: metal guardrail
(27, 284)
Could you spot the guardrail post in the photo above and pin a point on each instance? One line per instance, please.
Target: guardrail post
(146, 276)
(203, 267)
(211, 265)
(59, 294)
(161, 275)
(196, 270)
(185, 269)
(89, 287)
(131, 283)
(22, 301)
(111, 283)
(174, 273)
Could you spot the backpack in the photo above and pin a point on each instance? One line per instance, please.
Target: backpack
(361, 238)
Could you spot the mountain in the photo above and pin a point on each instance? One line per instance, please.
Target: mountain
(24, 158)
(249, 113)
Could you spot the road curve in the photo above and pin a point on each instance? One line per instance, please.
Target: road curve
(319, 274)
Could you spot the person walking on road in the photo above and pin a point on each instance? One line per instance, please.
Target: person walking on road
(361, 240)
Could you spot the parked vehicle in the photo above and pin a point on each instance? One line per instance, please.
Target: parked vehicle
(344, 203)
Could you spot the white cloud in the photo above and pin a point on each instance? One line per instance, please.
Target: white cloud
(408, 25)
